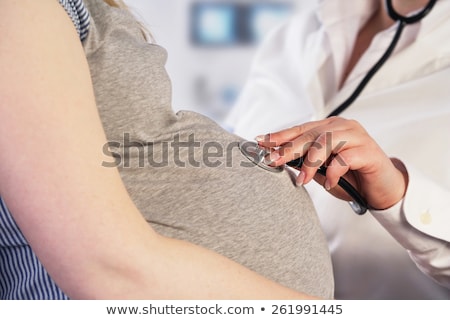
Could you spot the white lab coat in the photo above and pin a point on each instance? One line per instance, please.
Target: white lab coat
(405, 108)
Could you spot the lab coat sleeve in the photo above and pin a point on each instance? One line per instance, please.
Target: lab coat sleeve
(421, 224)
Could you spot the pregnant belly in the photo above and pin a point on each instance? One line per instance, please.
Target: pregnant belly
(212, 195)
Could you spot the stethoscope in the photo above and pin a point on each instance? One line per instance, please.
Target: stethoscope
(257, 155)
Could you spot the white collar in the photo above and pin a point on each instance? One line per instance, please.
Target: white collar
(341, 21)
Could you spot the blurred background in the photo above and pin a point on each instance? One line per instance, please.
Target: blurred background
(211, 44)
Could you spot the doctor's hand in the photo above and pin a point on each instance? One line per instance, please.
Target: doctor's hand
(346, 150)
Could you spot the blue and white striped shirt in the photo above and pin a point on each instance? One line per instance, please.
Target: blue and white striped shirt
(22, 276)
(79, 15)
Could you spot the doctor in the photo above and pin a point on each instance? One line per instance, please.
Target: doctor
(308, 67)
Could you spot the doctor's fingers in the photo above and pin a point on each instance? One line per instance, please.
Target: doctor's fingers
(285, 136)
(336, 191)
(293, 149)
(363, 161)
(319, 142)
(344, 162)
(327, 150)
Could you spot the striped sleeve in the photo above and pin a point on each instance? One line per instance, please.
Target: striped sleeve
(22, 276)
(78, 14)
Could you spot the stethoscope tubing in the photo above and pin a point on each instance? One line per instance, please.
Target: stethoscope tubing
(409, 19)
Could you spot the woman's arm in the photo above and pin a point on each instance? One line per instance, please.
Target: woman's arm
(76, 214)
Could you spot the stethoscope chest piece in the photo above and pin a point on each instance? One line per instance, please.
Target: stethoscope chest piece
(256, 155)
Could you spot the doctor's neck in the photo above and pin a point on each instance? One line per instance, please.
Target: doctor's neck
(403, 7)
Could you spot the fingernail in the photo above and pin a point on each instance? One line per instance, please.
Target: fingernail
(327, 185)
(261, 138)
(272, 157)
(300, 179)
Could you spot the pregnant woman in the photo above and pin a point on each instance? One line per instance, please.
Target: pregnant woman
(107, 193)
